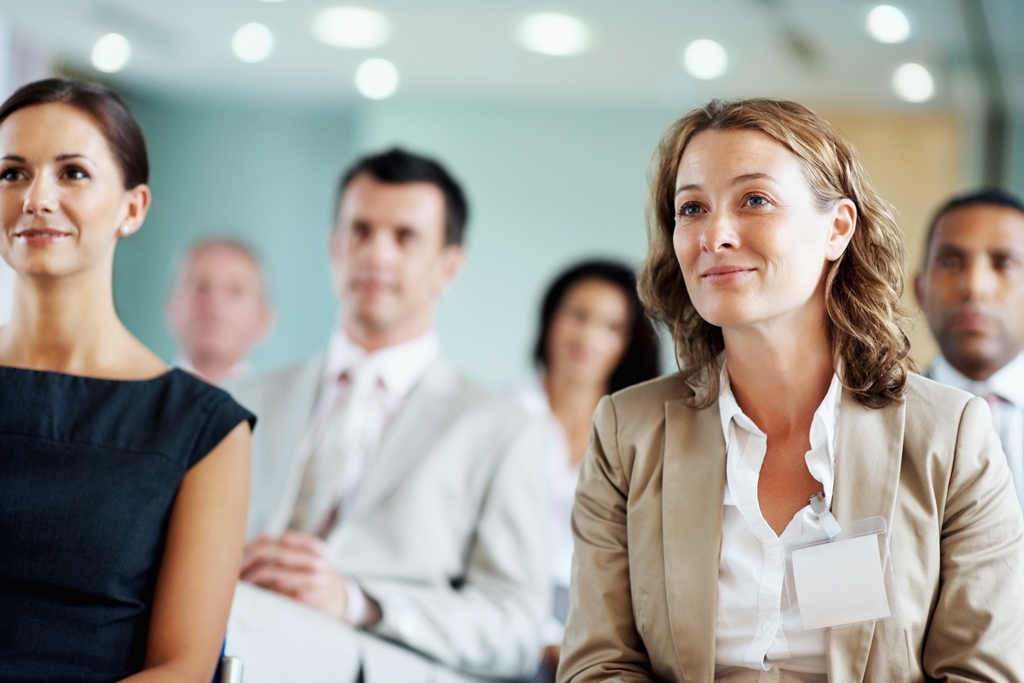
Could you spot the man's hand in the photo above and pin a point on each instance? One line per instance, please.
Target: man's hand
(294, 565)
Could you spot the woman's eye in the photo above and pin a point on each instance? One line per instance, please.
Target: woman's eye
(756, 200)
(688, 210)
(9, 174)
(75, 173)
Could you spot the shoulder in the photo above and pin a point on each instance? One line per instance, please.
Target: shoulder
(281, 381)
(932, 403)
(471, 402)
(644, 402)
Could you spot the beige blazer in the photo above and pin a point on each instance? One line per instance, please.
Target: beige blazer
(446, 528)
(648, 521)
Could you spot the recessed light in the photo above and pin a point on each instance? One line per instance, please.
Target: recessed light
(913, 83)
(351, 27)
(376, 79)
(705, 59)
(550, 33)
(111, 52)
(888, 24)
(253, 43)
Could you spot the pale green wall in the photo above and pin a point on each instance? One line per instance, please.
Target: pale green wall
(547, 185)
(265, 173)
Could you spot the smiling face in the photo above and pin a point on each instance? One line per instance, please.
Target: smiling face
(972, 288)
(62, 198)
(589, 333)
(389, 259)
(751, 241)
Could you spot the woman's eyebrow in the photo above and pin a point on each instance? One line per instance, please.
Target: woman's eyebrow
(735, 181)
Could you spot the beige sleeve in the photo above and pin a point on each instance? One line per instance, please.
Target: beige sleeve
(601, 640)
(976, 632)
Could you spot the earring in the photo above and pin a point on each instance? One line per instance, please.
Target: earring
(125, 231)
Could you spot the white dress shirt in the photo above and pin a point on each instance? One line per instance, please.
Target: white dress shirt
(758, 637)
(398, 368)
(1007, 413)
(562, 476)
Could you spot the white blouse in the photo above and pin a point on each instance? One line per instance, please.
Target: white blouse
(758, 638)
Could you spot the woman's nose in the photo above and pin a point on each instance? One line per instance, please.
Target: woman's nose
(719, 233)
(40, 195)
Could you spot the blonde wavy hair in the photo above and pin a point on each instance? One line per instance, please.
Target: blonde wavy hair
(864, 319)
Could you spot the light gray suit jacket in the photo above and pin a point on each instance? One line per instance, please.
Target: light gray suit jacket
(648, 530)
(447, 527)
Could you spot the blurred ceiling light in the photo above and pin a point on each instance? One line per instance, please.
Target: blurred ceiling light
(705, 59)
(253, 43)
(111, 53)
(351, 27)
(913, 83)
(888, 24)
(376, 79)
(550, 33)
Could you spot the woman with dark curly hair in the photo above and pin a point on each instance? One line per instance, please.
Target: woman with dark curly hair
(593, 339)
(794, 504)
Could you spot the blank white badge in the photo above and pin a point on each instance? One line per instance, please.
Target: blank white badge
(840, 583)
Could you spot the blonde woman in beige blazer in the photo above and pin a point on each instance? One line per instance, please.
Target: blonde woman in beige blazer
(779, 268)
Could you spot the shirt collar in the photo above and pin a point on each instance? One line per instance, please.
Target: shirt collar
(821, 457)
(1007, 382)
(399, 366)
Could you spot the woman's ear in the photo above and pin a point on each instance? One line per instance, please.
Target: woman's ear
(137, 204)
(844, 223)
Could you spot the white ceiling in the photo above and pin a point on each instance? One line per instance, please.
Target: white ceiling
(448, 48)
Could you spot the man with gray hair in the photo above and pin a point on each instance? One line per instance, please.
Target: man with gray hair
(218, 310)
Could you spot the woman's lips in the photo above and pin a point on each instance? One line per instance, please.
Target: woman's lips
(721, 275)
(41, 235)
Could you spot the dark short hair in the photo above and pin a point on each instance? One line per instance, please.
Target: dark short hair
(397, 166)
(991, 196)
(107, 109)
(641, 359)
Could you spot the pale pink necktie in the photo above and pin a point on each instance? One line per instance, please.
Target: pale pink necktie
(336, 461)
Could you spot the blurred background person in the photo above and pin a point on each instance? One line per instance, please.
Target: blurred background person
(593, 339)
(972, 292)
(219, 310)
(125, 483)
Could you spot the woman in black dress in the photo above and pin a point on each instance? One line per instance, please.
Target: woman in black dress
(123, 483)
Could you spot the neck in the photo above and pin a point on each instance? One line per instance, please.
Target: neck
(572, 401)
(779, 379)
(65, 324)
(376, 338)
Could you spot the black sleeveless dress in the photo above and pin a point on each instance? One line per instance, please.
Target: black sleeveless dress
(89, 470)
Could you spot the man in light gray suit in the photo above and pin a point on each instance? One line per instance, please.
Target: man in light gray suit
(397, 520)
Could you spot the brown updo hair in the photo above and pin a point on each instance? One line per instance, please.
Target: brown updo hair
(865, 323)
(107, 109)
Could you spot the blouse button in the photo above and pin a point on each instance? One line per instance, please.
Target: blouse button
(767, 628)
(774, 553)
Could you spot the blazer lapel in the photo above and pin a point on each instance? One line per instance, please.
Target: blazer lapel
(416, 423)
(869, 452)
(693, 493)
(293, 411)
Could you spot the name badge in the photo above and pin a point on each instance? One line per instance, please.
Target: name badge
(845, 580)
